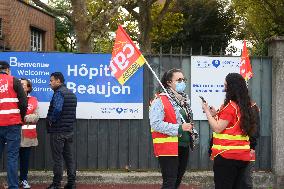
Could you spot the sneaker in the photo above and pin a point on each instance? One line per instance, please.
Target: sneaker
(25, 184)
(52, 186)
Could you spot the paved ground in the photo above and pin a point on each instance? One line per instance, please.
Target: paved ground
(118, 186)
(139, 180)
(112, 186)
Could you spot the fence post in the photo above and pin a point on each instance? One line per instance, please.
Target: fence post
(276, 50)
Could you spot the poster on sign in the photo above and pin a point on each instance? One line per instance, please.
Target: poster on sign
(99, 94)
(207, 80)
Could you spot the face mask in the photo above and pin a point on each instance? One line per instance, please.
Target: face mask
(180, 86)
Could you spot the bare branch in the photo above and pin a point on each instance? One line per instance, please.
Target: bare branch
(54, 11)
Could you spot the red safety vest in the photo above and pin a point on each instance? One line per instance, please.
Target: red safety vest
(9, 109)
(29, 130)
(231, 143)
(165, 145)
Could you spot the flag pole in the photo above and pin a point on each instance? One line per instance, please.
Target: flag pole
(153, 72)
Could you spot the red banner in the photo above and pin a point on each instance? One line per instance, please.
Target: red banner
(126, 58)
(245, 67)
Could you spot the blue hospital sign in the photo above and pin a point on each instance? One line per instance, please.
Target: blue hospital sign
(99, 94)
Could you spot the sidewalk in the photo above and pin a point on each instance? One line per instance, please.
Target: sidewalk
(199, 179)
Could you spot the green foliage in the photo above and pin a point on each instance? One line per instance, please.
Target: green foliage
(170, 25)
(259, 20)
(100, 27)
(64, 36)
(207, 23)
(64, 32)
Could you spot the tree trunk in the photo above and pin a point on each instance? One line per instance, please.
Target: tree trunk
(81, 25)
(145, 25)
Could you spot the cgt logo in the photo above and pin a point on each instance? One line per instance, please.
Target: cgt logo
(30, 107)
(121, 59)
(3, 86)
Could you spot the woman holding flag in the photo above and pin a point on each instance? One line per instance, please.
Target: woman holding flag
(171, 135)
(232, 127)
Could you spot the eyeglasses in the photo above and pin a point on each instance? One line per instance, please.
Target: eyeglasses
(179, 80)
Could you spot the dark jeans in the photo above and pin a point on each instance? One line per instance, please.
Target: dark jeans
(24, 162)
(228, 173)
(62, 148)
(173, 168)
(12, 136)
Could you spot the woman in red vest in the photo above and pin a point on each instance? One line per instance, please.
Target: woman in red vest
(171, 136)
(29, 134)
(232, 126)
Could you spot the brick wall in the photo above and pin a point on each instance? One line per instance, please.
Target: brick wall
(4, 14)
(18, 18)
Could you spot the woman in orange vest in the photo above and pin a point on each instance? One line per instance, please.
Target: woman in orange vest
(232, 126)
(171, 136)
(29, 134)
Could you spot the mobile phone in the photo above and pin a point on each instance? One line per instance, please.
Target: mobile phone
(203, 100)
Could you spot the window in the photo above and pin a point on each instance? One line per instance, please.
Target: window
(0, 27)
(36, 39)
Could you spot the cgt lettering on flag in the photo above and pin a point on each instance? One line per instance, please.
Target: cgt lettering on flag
(126, 58)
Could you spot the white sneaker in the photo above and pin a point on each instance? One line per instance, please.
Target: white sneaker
(25, 184)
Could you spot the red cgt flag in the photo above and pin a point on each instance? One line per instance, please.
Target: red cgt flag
(245, 67)
(126, 58)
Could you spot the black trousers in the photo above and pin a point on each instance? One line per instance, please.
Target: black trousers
(229, 173)
(62, 149)
(247, 179)
(173, 168)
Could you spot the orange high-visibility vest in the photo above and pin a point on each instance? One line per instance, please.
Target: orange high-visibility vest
(29, 129)
(9, 109)
(165, 145)
(231, 143)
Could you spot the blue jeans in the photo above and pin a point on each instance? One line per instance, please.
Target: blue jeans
(12, 136)
(24, 162)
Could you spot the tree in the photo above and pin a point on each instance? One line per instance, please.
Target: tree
(259, 20)
(146, 20)
(170, 25)
(208, 24)
(92, 22)
(64, 36)
(89, 18)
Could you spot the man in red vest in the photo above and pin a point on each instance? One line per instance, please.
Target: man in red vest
(13, 107)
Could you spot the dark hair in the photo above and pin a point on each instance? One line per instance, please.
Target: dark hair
(237, 91)
(58, 75)
(168, 76)
(4, 65)
(29, 84)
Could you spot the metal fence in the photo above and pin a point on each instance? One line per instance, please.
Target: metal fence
(127, 144)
